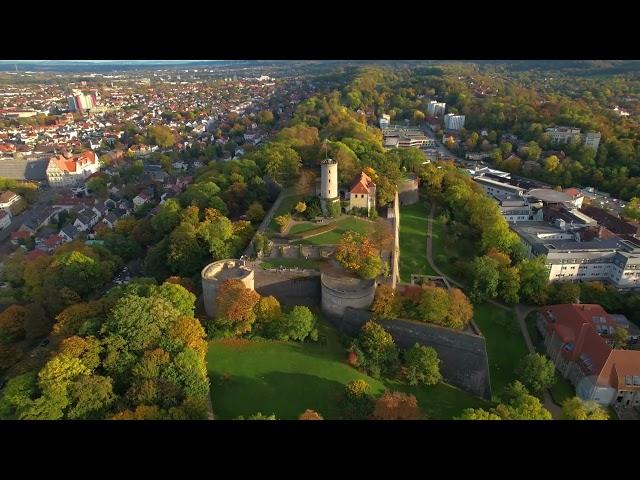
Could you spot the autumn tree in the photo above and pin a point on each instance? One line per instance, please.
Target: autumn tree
(620, 337)
(387, 303)
(12, 324)
(235, 305)
(577, 409)
(357, 402)
(309, 414)
(376, 350)
(283, 221)
(397, 406)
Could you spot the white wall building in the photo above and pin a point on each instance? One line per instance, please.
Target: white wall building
(453, 122)
(69, 171)
(436, 109)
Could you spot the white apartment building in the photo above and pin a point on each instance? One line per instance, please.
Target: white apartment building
(453, 122)
(592, 140)
(562, 134)
(518, 209)
(436, 108)
(385, 121)
(493, 187)
(67, 171)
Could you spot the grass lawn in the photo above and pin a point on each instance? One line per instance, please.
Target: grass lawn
(561, 390)
(290, 263)
(286, 378)
(505, 345)
(286, 206)
(447, 253)
(413, 240)
(349, 222)
(303, 227)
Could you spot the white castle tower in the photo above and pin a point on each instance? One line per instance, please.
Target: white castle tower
(328, 179)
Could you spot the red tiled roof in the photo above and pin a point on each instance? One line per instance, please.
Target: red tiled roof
(20, 234)
(33, 254)
(361, 184)
(572, 192)
(6, 196)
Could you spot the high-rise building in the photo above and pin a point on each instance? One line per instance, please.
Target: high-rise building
(453, 122)
(562, 134)
(436, 108)
(385, 120)
(80, 102)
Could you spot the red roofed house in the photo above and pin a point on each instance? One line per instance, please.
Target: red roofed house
(576, 196)
(362, 193)
(572, 337)
(67, 170)
(20, 234)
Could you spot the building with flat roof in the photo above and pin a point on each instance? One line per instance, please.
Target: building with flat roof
(493, 187)
(453, 122)
(436, 109)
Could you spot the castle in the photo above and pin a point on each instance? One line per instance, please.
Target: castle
(362, 193)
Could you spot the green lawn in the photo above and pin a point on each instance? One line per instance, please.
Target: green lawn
(505, 344)
(445, 252)
(413, 240)
(303, 227)
(333, 237)
(286, 206)
(290, 263)
(286, 378)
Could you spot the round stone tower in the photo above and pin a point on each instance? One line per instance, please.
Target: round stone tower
(217, 272)
(328, 179)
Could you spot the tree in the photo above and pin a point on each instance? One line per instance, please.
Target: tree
(397, 406)
(255, 213)
(620, 337)
(97, 185)
(17, 394)
(460, 310)
(551, 163)
(386, 304)
(536, 372)
(632, 210)
(352, 251)
(300, 207)
(89, 397)
(377, 350)
(296, 325)
(485, 278)
(179, 297)
(283, 221)
(268, 310)
(520, 405)
(87, 350)
(357, 402)
(12, 324)
(188, 332)
(235, 306)
(161, 135)
(563, 292)
(186, 254)
(167, 217)
(534, 278)
(309, 414)
(258, 416)
(422, 365)
(434, 304)
(371, 267)
(478, 414)
(577, 409)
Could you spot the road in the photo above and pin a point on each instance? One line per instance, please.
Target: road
(520, 312)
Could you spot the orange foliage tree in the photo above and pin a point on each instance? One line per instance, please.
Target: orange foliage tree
(352, 249)
(235, 305)
(309, 414)
(397, 406)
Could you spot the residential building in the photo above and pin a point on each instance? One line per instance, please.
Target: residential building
(5, 219)
(385, 120)
(86, 219)
(81, 102)
(562, 134)
(453, 122)
(362, 193)
(67, 170)
(494, 187)
(69, 233)
(519, 209)
(9, 199)
(436, 109)
(592, 140)
(140, 199)
(573, 338)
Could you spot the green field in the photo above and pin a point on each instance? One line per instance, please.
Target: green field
(445, 252)
(286, 378)
(286, 206)
(413, 241)
(303, 227)
(290, 263)
(343, 225)
(505, 344)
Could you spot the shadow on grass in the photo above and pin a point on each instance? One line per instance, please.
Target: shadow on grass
(286, 395)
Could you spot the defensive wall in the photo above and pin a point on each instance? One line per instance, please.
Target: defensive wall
(217, 272)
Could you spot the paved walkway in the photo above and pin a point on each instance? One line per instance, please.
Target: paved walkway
(520, 311)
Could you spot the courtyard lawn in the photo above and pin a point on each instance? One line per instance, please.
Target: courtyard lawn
(290, 263)
(286, 378)
(303, 227)
(413, 240)
(349, 222)
(561, 390)
(285, 207)
(445, 252)
(505, 345)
